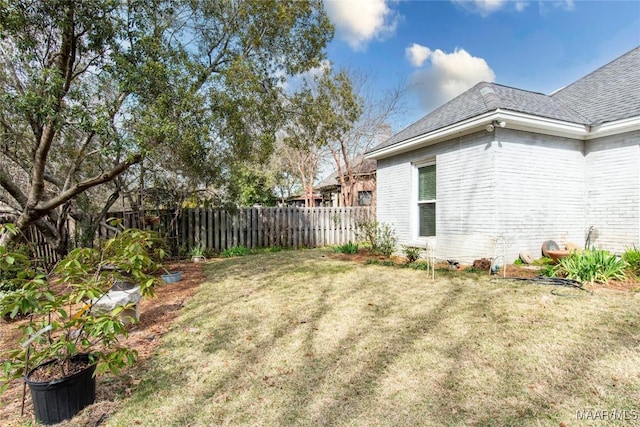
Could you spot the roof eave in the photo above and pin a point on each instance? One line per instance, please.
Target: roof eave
(614, 128)
(513, 120)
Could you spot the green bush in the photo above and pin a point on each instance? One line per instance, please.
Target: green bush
(592, 266)
(72, 326)
(15, 264)
(367, 231)
(347, 248)
(236, 251)
(378, 236)
(632, 258)
(411, 253)
(386, 242)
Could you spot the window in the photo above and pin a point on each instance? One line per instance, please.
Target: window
(427, 200)
(364, 198)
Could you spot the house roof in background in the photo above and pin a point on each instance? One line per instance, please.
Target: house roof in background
(361, 166)
(607, 94)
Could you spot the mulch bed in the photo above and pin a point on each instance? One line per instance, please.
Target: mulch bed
(521, 271)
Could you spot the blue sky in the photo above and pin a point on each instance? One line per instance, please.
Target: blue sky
(441, 48)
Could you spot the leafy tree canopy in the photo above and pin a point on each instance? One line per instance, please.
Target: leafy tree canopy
(90, 88)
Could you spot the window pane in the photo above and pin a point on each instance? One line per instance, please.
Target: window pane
(427, 183)
(427, 219)
(364, 198)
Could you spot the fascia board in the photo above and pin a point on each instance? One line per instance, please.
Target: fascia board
(514, 120)
(544, 125)
(458, 129)
(613, 128)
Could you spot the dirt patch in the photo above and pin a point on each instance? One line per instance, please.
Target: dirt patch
(156, 315)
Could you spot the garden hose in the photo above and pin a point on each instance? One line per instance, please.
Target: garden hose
(552, 281)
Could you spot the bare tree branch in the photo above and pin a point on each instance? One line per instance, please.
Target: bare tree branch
(10, 186)
(84, 185)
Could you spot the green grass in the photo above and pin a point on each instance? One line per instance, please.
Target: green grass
(297, 338)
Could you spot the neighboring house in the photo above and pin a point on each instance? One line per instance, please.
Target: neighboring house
(299, 201)
(503, 169)
(364, 189)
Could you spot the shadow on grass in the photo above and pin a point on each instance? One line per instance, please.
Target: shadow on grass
(469, 329)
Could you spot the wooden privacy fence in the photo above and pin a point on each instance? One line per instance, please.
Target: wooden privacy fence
(218, 230)
(41, 252)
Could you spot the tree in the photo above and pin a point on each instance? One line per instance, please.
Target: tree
(323, 110)
(370, 127)
(90, 88)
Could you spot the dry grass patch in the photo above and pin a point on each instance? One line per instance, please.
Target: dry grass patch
(297, 338)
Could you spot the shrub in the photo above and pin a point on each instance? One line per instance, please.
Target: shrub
(592, 266)
(67, 315)
(632, 258)
(15, 268)
(347, 248)
(378, 236)
(386, 242)
(367, 231)
(15, 265)
(411, 253)
(236, 251)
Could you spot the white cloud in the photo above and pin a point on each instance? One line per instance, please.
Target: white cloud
(295, 82)
(417, 54)
(483, 7)
(548, 6)
(487, 7)
(450, 74)
(359, 21)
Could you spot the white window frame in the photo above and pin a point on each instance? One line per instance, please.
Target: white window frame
(416, 202)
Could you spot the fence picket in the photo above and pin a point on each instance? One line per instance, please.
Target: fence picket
(253, 227)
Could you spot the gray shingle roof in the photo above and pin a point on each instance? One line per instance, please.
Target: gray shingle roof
(609, 93)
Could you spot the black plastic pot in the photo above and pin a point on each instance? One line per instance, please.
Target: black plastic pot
(61, 399)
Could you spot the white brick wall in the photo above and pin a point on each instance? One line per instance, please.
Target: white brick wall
(613, 195)
(520, 188)
(541, 191)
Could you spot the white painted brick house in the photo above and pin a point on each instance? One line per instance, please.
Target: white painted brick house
(503, 167)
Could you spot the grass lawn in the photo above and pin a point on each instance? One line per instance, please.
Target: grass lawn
(298, 338)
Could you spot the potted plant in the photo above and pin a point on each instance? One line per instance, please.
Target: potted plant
(197, 254)
(65, 342)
